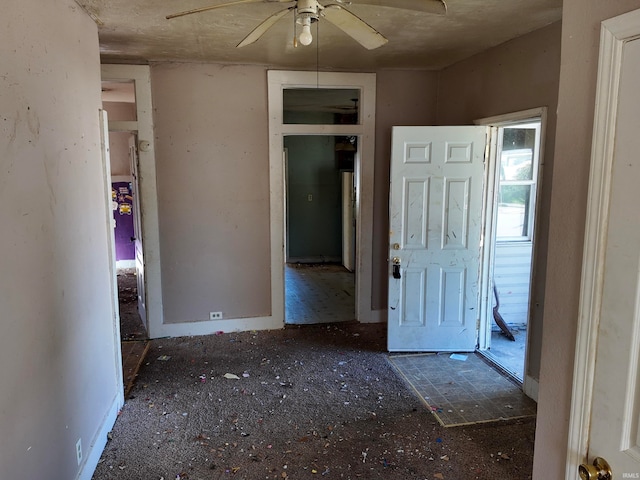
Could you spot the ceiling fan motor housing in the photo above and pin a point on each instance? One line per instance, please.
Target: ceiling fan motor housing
(308, 8)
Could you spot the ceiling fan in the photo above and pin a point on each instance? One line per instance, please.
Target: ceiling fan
(307, 12)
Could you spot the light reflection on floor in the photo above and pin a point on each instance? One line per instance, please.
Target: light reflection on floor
(509, 355)
(318, 294)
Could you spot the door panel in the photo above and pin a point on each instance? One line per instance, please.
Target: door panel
(435, 226)
(615, 420)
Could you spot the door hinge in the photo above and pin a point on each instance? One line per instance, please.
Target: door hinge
(477, 324)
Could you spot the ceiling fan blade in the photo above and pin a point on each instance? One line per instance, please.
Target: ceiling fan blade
(427, 6)
(221, 5)
(257, 32)
(354, 26)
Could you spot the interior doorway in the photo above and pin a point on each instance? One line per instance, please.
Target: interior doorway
(513, 182)
(119, 101)
(293, 111)
(319, 220)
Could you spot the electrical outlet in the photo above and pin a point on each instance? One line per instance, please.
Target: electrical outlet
(215, 315)
(79, 451)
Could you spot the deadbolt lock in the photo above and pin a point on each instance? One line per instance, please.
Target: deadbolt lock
(396, 268)
(600, 470)
(396, 246)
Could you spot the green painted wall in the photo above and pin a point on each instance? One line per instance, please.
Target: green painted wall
(314, 226)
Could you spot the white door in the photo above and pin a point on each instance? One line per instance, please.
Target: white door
(435, 226)
(614, 427)
(137, 230)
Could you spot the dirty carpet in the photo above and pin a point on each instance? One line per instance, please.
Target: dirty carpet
(302, 402)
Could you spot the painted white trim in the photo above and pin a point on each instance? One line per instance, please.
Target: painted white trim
(364, 172)
(141, 75)
(514, 117)
(614, 33)
(126, 264)
(530, 387)
(486, 263)
(99, 442)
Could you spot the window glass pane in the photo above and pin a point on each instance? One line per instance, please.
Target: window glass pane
(516, 165)
(321, 106)
(516, 161)
(513, 211)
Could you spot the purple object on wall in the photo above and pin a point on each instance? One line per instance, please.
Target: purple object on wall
(122, 201)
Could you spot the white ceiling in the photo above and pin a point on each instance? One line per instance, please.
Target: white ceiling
(135, 31)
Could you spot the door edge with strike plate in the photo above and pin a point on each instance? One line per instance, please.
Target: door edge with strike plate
(600, 470)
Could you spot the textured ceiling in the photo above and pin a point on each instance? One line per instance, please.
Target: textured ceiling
(134, 31)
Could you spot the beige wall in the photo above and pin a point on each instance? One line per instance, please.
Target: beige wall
(119, 141)
(402, 98)
(58, 342)
(578, 75)
(517, 75)
(213, 164)
(212, 161)
(120, 111)
(119, 154)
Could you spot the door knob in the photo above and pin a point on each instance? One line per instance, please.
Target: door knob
(600, 470)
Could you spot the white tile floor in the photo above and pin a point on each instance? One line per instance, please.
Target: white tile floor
(318, 294)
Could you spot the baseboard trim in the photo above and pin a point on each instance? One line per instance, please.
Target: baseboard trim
(208, 327)
(126, 264)
(99, 442)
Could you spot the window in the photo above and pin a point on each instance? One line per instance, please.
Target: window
(321, 106)
(518, 172)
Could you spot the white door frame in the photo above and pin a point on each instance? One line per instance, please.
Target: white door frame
(530, 384)
(278, 80)
(143, 126)
(614, 33)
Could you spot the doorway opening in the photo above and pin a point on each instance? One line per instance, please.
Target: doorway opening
(119, 101)
(339, 108)
(320, 228)
(443, 262)
(511, 198)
